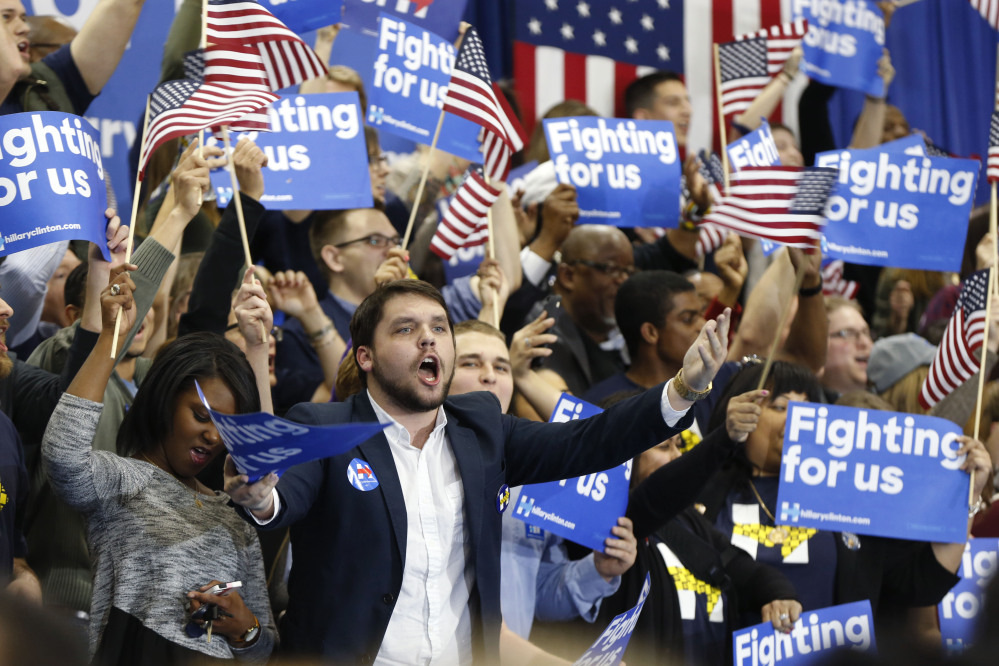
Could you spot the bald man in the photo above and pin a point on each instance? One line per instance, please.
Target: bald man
(596, 260)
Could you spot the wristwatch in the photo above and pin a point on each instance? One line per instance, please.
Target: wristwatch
(251, 633)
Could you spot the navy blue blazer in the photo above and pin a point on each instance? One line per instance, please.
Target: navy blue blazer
(349, 546)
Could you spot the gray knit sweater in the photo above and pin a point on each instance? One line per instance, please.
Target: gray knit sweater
(149, 541)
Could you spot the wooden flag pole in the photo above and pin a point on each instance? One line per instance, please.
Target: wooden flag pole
(981, 368)
(721, 117)
(231, 168)
(992, 230)
(785, 313)
(203, 42)
(430, 156)
(423, 183)
(235, 196)
(491, 253)
(131, 226)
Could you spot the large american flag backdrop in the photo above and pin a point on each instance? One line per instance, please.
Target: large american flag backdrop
(591, 49)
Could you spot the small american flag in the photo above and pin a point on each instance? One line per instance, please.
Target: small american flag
(744, 73)
(751, 61)
(781, 204)
(464, 223)
(184, 107)
(781, 40)
(955, 361)
(992, 165)
(234, 66)
(287, 60)
(710, 236)
(470, 94)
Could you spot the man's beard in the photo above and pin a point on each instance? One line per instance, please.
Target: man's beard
(407, 397)
(6, 365)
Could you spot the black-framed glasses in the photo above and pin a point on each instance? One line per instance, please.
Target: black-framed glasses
(377, 159)
(614, 270)
(374, 240)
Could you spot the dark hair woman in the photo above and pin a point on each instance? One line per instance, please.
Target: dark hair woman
(158, 537)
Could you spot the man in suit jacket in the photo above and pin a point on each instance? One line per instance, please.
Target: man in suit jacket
(397, 542)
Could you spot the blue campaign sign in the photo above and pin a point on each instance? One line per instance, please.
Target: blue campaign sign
(843, 43)
(517, 178)
(610, 647)
(306, 130)
(51, 181)
(440, 16)
(304, 15)
(412, 69)
(626, 172)
(583, 509)
(963, 608)
(815, 635)
(756, 149)
(873, 472)
(894, 206)
(262, 443)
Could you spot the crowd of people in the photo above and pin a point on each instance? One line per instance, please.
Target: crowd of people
(123, 521)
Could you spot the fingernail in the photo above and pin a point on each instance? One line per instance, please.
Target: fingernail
(764, 392)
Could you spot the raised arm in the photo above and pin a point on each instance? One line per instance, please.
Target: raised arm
(293, 293)
(101, 42)
(769, 97)
(870, 124)
(255, 320)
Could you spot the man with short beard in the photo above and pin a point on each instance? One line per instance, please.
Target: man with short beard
(397, 541)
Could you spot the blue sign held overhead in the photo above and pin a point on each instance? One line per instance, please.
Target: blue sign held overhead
(756, 149)
(963, 608)
(305, 131)
(262, 443)
(412, 70)
(873, 472)
(609, 648)
(845, 39)
(583, 509)
(439, 16)
(815, 635)
(894, 206)
(51, 181)
(626, 172)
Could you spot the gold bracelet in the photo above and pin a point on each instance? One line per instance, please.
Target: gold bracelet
(686, 392)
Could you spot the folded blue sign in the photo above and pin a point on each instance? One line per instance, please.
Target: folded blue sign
(261, 443)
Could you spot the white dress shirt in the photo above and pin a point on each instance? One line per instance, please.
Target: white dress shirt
(430, 623)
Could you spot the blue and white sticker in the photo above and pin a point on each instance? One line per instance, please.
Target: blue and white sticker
(361, 476)
(502, 498)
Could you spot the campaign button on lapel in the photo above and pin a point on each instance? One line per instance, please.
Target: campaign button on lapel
(502, 498)
(361, 476)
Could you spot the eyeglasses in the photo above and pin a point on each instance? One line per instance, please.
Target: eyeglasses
(374, 240)
(377, 159)
(851, 334)
(607, 269)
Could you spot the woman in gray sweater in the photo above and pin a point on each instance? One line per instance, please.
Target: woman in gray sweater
(159, 538)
